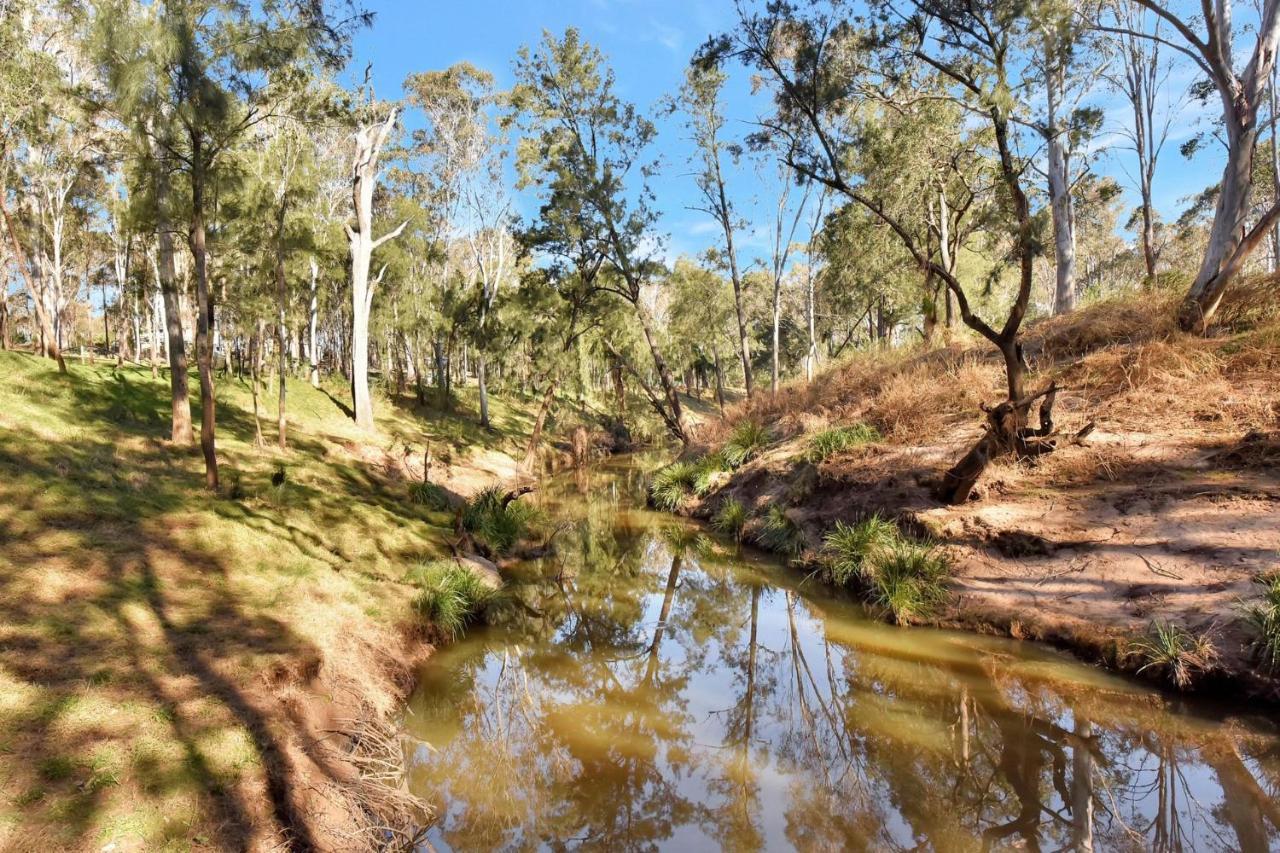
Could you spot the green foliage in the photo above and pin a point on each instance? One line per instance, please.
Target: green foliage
(672, 484)
(829, 442)
(745, 443)
(430, 495)
(705, 470)
(451, 596)
(908, 579)
(850, 545)
(1174, 651)
(496, 526)
(779, 533)
(1264, 618)
(730, 518)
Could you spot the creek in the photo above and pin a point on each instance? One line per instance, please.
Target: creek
(653, 686)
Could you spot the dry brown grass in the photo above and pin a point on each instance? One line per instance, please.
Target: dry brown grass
(1119, 360)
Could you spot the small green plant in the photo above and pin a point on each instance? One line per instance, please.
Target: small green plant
(730, 517)
(497, 525)
(429, 495)
(450, 596)
(672, 484)
(1264, 617)
(745, 443)
(829, 442)
(850, 545)
(705, 470)
(1176, 652)
(779, 533)
(907, 578)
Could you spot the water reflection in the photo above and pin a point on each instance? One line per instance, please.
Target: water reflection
(647, 688)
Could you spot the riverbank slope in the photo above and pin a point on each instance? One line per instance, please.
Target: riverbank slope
(1166, 512)
(182, 670)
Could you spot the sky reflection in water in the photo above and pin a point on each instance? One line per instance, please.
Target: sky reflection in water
(649, 688)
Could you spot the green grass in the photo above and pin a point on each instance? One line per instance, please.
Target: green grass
(778, 533)
(429, 495)
(1264, 618)
(908, 579)
(496, 526)
(1174, 652)
(140, 605)
(829, 442)
(849, 546)
(745, 443)
(730, 517)
(672, 484)
(451, 596)
(705, 471)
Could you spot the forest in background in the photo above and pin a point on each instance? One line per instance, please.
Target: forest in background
(190, 181)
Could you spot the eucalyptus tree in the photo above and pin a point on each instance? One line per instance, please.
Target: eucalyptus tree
(29, 79)
(699, 99)
(1143, 77)
(1206, 34)
(824, 67)
(582, 146)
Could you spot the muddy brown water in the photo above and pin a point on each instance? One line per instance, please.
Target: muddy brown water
(653, 687)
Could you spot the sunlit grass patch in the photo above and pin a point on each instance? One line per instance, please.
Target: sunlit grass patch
(1174, 652)
(745, 442)
(829, 442)
(849, 546)
(908, 579)
(672, 484)
(779, 533)
(496, 524)
(450, 597)
(1264, 618)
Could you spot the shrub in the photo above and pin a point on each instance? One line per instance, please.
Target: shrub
(745, 443)
(430, 495)
(779, 533)
(496, 526)
(908, 579)
(1265, 620)
(851, 544)
(1180, 655)
(829, 442)
(730, 517)
(450, 596)
(672, 484)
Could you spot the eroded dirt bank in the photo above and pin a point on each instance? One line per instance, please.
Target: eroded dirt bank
(1167, 512)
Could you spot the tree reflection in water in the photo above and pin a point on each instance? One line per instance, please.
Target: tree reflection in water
(649, 688)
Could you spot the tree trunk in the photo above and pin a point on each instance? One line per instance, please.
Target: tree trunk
(484, 390)
(539, 423)
(715, 354)
(1064, 231)
(1227, 233)
(179, 393)
(48, 338)
(255, 374)
(204, 316)
(313, 318)
(282, 331)
(773, 347)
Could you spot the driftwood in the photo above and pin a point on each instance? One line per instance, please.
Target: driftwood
(1006, 433)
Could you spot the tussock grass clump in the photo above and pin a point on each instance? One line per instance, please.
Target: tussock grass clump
(908, 579)
(451, 596)
(778, 533)
(1178, 654)
(705, 470)
(850, 546)
(745, 443)
(429, 495)
(1264, 618)
(730, 517)
(496, 526)
(829, 442)
(672, 484)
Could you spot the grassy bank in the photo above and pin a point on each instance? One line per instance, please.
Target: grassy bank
(1149, 545)
(174, 665)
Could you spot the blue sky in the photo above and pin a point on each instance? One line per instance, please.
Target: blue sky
(648, 43)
